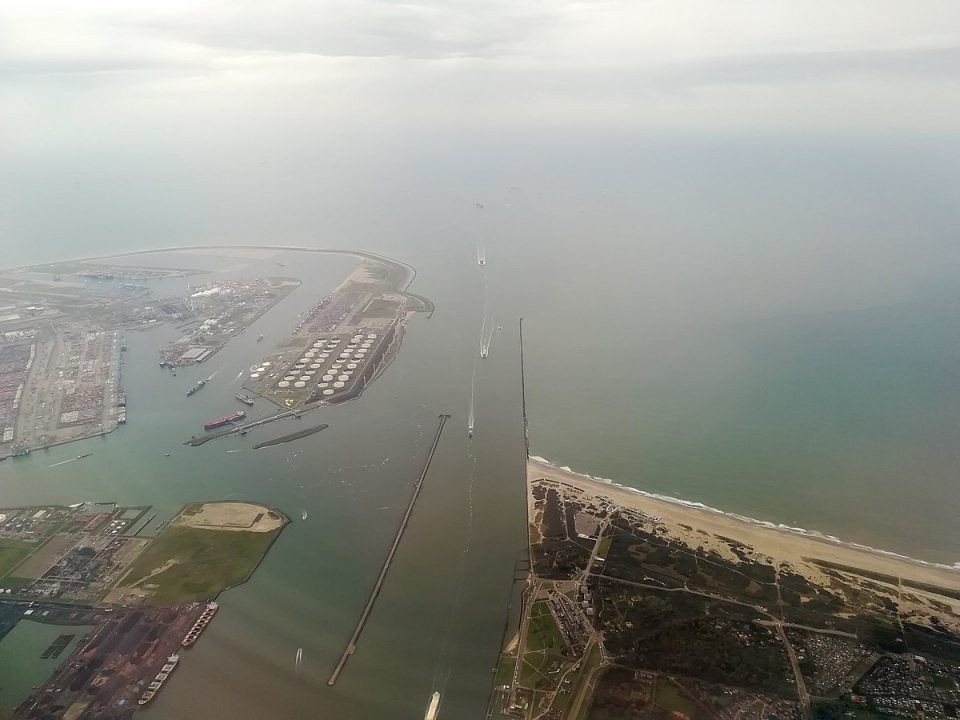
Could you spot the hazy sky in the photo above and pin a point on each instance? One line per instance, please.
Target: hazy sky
(79, 72)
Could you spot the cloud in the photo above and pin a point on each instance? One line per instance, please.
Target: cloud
(492, 61)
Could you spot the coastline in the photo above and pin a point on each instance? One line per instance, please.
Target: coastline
(695, 523)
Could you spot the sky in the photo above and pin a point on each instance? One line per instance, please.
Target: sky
(81, 74)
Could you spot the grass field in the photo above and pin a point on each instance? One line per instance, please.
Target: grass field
(669, 698)
(543, 633)
(12, 552)
(505, 670)
(197, 564)
(533, 674)
(604, 547)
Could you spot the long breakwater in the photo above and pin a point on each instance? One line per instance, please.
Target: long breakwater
(352, 643)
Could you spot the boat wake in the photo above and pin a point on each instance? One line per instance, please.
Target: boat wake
(73, 459)
(486, 337)
(62, 462)
(470, 420)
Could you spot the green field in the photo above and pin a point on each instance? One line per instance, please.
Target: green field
(604, 547)
(12, 552)
(199, 563)
(505, 670)
(533, 674)
(543, 633)
(670, 698)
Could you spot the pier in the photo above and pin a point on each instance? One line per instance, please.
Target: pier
(352, 644)
(197, 440)
(523, 396)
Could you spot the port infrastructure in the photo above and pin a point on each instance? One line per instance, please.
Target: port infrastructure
(352, 644)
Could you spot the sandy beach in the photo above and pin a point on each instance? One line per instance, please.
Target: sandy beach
(699, 527)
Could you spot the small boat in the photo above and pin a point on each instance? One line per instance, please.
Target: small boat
(433, 708)
(259, 338)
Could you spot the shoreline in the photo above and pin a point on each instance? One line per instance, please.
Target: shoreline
(796, 545)
(410, 271)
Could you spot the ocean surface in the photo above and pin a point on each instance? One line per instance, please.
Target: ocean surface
(771, 328)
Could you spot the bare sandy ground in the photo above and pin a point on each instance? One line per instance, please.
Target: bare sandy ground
(795, 549)
(231, 516)
(360, 276)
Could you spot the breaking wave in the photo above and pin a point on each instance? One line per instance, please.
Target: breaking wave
(816, 534)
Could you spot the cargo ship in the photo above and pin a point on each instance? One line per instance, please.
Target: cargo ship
(200, 624)
(433, 708)
(197, 385)
(244, 399)
(154, 687)
(219, 422)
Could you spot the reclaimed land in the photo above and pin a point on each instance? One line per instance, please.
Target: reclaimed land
(191, 562)
(12, 552)
(291, 436)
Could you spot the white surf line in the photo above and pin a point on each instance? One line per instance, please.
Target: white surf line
(780, 527)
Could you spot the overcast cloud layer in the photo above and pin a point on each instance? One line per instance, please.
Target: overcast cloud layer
(71, 72)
